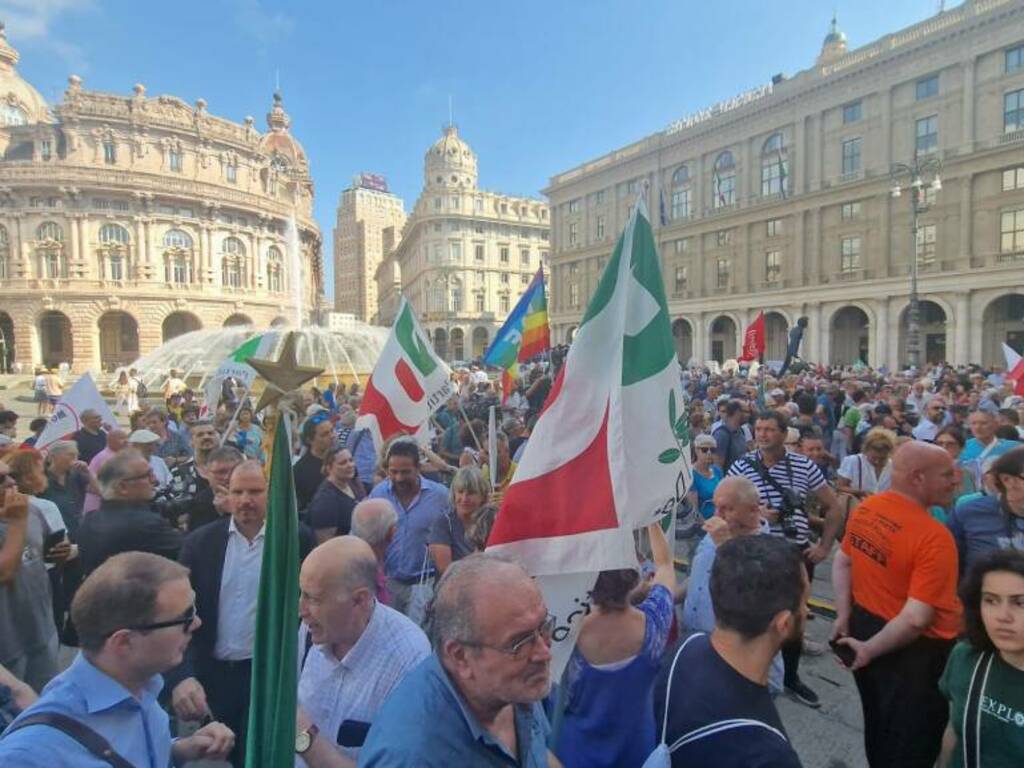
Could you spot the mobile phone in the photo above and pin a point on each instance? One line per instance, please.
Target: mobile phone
(352, 733)
(53, 539)
(845, 653)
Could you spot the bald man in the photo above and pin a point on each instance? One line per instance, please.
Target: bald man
(375, 521)
(224, 560)
(355, 651)
(895, 580)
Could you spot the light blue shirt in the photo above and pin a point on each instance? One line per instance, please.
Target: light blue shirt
(405, 554)
(137, 729)
(699, 613)
(364, 454)
(426, 723)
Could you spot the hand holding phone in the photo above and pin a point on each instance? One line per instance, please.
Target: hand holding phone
(845, 653)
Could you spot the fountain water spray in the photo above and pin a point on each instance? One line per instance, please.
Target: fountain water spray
(295, 263)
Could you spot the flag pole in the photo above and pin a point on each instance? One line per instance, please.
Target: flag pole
(470, 425)
(234, 417)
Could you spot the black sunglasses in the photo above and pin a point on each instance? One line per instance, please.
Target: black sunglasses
(184, 621)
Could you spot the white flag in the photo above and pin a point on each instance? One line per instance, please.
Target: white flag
(67, 416)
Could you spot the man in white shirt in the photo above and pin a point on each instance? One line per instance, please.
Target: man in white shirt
(353, 651)
(145, 442)
(224, 560)
(932, 421)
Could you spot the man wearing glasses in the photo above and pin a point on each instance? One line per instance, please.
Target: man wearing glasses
(125, 521)
(476, 699)
(135, 615)
(933, 420)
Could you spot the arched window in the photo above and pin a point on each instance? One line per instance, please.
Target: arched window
(723, 180)
(178, 257)
(12, 115)
(175, 238)
(113, 251)
(682, 194)
(275, 282)
(50, 230)
(774, 167)
(113, 233)
(233, 246)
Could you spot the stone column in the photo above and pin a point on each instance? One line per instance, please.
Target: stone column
(700, 337)
(883, 264)
(818, 264)
(147, 250)
(749, 282)
(886, 98)
(966, 245)
(140, 250)
(968, 105)
(206, 270)
(795, 278)
(961, 321)
(884, 353)
(76, 246)
(817, 336)
(698, 188)
(699, 279)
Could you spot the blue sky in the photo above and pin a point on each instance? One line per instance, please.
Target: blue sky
(538, 87)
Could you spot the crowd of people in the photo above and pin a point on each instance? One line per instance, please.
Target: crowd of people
(142, 546)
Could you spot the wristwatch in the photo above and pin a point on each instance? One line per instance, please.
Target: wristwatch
(304, 739)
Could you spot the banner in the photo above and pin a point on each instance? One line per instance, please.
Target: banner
(67, 415)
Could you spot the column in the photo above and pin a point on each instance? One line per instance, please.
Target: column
(966, 253)
(883, 353)
(795, 278)
(699, 280)
(968, 105)
(76, 246)
(798, 157)
(700, 335)
(140, 249)
(820, 170)
(961, 321)
(886, 98)
(146, 249)
(206, 269)
(817, 336)
(818, 264)
(698, 189)
(749, 282)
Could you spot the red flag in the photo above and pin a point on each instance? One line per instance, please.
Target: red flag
(1014, 368)
(754, 340)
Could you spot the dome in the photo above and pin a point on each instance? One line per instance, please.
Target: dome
(450, 162)
(20, 103)
(278, 141)
(834, 45)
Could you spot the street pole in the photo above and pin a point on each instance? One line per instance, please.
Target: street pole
(913, 321)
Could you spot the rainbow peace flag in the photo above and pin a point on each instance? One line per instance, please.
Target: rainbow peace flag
(524, 334)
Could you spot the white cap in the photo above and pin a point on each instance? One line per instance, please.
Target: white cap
(143, 436)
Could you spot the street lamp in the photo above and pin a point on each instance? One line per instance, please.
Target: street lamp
(913, 180)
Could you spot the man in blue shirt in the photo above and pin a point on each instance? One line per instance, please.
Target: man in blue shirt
(419, 502)
(476, 700)
(135, 615)
(984, 446)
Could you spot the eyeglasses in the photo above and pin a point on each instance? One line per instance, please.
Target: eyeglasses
(519, 648)
(184, 621)
(705, 450)
(133, 478)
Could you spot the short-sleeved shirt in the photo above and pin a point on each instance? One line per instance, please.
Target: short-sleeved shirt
(708, 694)
(730, 444)
(1001, 710)
(609, 713)
(980, 525)
(862, 474)
(448, 530)
(404, 557)
(425, 722)
(795, 472)
(705, 488)
(355, 687)
(137, 728)
(331, 507)
(897, 551)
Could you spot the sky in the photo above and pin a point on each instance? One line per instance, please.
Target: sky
(537, 86)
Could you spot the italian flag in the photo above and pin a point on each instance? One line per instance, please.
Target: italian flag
(609, 453)
(408, 383)
(1014, 368)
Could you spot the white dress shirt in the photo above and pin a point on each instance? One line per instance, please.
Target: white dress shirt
(332, 691)
(239, 591)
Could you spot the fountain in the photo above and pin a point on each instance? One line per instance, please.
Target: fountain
(295, 264)
(346, 356)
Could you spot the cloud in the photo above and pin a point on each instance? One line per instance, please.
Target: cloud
(32, 21)
(266, 27)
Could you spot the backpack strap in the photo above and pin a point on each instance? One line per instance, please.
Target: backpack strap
(971, 727)
(77, 730)
(668, 688)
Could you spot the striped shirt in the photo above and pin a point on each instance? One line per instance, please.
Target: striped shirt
(796, 472)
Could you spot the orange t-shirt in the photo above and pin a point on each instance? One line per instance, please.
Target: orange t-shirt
(897, 550)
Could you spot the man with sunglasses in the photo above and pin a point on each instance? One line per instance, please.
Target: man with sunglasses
(135, 615)
(933, 420)
(476, 699)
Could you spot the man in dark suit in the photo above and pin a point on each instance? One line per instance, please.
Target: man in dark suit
(224, 558)
(125, 520)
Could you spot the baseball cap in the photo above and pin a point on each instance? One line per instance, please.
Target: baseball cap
(143, 436)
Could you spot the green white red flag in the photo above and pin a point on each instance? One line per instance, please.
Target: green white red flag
(1014, 368)
(408, 383)
(610, 452)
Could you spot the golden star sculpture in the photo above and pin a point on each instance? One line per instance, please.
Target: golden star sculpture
(283, 375)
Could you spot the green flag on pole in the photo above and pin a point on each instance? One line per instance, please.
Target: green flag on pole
(271, 737)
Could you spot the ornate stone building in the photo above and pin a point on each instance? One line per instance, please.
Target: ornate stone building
(365, 210)
(465, 255)
(781, 200)
(128, 220)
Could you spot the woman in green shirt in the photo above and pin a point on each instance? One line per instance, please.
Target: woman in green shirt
(984, 677)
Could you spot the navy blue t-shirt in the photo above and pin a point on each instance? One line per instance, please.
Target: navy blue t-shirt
(709, 697)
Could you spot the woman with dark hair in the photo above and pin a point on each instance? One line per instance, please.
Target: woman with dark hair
(609, 681)
(992, 522)
(984, 677)
(330, 510)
